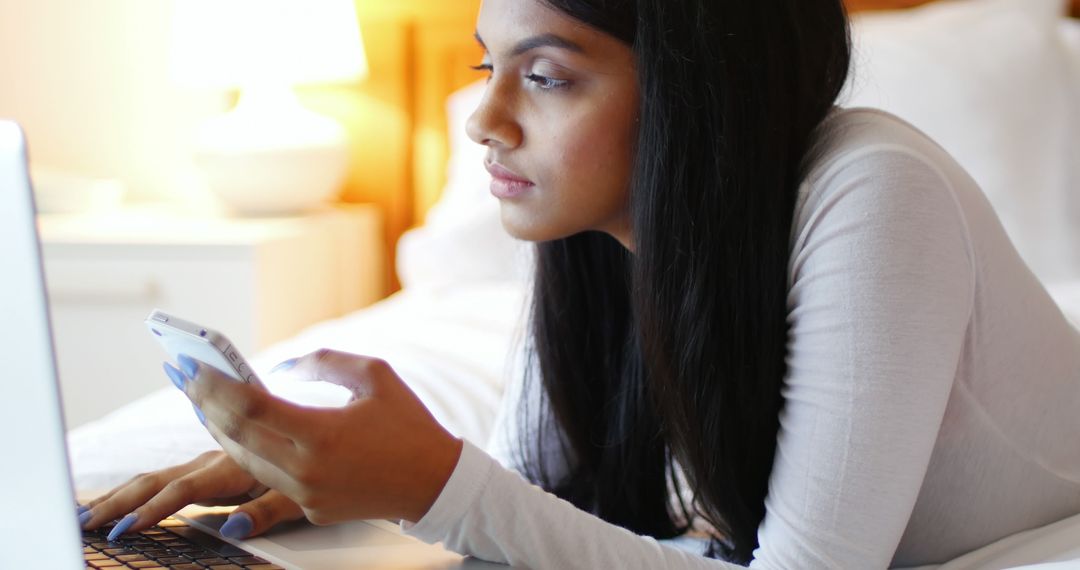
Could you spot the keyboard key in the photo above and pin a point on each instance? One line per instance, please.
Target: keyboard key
(172, 543)
(104, 564)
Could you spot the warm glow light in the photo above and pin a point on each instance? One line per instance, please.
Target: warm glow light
(269, 155)
(237, 43)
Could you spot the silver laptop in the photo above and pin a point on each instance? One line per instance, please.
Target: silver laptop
(38, 528)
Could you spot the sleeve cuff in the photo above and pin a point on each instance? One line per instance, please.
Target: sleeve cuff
(466, 484)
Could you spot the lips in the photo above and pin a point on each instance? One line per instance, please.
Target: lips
(505, 184)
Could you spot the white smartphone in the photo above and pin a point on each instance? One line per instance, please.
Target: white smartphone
(178, 336)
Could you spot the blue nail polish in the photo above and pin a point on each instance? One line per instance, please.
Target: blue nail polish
(82, 509)
(288, 364)
(84, 517)
(237, 526)
(199, 414)
(188, 365)
(175, 375)
(122, 526)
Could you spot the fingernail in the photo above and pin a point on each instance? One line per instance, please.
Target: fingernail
(122, 526)
(82, 509)
(285, 365)
(175, 375)
(237, 526)
(199, 414)
(84, 517)
(188, 365)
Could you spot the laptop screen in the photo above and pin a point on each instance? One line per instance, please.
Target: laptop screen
(39, 528)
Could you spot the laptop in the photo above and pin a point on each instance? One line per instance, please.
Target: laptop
(39, 528)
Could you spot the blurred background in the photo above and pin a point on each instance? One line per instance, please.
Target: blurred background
(263, 166)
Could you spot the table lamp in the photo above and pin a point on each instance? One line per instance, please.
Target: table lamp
(268, 155)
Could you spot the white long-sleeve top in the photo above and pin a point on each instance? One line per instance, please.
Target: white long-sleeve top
(932, 394)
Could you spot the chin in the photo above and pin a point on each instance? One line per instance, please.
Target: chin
(527, 228)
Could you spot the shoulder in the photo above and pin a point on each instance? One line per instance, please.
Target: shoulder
(876, 165)
(876, 188)
(869, 143)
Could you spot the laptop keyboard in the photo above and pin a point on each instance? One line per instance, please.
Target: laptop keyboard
(170, 544)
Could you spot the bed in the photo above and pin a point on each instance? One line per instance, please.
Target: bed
(997, 82)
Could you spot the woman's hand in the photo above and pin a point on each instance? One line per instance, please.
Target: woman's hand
(381, 456)
(212, 478)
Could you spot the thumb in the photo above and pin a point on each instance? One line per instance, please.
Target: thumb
(360, 374)
(256, 516)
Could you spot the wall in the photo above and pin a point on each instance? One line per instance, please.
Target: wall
(88, 80)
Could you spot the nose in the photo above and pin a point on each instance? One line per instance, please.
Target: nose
(494, 122)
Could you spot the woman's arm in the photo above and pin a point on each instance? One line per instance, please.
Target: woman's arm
(882, 290)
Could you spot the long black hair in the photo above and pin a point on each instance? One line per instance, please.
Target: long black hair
(675, 354)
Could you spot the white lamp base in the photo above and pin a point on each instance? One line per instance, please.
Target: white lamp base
(270, 156)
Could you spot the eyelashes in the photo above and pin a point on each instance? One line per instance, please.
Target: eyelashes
(547, 83)
(541, 81)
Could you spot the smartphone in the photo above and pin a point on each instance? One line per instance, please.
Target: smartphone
(178, 336)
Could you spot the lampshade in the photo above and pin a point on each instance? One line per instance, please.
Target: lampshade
(239, 43)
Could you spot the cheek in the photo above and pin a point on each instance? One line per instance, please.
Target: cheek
(586, 160)
(596, 161)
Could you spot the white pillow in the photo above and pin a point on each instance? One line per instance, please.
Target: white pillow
(990, 81)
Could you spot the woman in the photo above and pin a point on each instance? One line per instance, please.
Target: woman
(793, 331)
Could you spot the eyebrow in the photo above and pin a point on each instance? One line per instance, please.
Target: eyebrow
(542, 40)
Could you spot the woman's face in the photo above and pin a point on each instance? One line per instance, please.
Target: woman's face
(559, 120)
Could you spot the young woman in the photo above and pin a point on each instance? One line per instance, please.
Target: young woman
(793, 331)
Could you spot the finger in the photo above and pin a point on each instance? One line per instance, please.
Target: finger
(254, 438)
(266, 472)
(125, 498)
(171, 471)
(362, 375)
(176, 494)
(237, 404)
(256, 517)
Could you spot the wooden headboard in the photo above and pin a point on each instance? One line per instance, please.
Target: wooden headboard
(418, 52)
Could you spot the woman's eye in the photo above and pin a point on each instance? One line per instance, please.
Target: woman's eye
(487, 67)
(547, 82)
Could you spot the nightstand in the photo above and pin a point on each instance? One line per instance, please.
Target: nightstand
(257, 280)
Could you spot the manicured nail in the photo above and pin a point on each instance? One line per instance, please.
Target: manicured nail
(188, 365)
(82, 509)
(175, 375)
(237, 526)
(122, 526)
(288, 364)
(199, 414)
(84, 517)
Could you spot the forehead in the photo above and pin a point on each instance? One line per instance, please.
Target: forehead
(504, 23)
